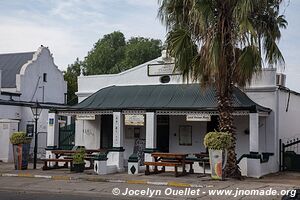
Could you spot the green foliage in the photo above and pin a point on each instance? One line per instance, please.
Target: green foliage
(20, 138)
(111, 54)
(106, 54)
(70, 75)
(78, 157)
(233, 38)
(217, 140)
(138, 50)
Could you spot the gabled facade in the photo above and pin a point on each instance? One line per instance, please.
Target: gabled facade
(24, 79)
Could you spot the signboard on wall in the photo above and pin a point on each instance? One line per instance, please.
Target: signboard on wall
(198, 117)
(134, 120)
(162, 69)
(85, 117)
(29, 130)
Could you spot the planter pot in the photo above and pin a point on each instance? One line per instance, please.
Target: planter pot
(217, 159)
(21, 156)
(78, 167)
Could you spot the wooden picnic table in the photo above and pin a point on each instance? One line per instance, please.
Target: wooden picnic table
(68, 155)
(59, 153)
(168, 159)
(204, 159)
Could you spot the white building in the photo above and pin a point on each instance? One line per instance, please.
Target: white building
(24, 79)
(149, 108)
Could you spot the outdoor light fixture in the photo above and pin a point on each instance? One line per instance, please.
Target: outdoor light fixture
(36, 111)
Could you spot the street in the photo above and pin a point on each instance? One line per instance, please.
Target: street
(22, 188)
(25, 195)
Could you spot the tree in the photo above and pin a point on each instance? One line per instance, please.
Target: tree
(223, 43)
(111, 54)
(106, 53)
(138, 50)
(70, 75)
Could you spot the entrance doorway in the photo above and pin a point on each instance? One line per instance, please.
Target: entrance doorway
(106, 132)
(163, 133)
(213, 124)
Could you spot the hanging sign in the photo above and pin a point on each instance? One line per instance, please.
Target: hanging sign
(198, 117)
(162, 69)
(134, 120)
(85, 117)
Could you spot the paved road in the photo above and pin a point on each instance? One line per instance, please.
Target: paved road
(21, 188)
(13, 195)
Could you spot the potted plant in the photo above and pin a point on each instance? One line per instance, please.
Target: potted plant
(78, 160)
(217, 143)
(21, 147)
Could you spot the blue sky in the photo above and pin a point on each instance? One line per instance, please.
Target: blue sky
(71, 27)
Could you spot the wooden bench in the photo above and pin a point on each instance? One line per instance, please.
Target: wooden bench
(163, 165)
(66, 161)
(187, 162)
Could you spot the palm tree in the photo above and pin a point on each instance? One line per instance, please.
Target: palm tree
(223, 43)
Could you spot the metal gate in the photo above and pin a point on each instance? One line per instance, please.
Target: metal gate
(289, 155)
(67, 136)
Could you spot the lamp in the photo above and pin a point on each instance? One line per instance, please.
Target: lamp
(36, 110)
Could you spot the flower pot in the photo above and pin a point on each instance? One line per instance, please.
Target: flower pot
(21, 156)
(217, 159)
(78, 167)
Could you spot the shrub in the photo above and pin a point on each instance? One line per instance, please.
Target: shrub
(20, 138)
(78, 157)
(217, 140)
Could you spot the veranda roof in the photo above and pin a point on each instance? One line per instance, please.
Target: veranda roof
(162, 97)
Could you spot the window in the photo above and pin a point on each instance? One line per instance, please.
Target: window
(185, 135)
(45, 77)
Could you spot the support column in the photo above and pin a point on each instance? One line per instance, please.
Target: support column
(150, 135)
(52, 133)
(79, 133)
(117, 152)
(254, 132)
(253, 164)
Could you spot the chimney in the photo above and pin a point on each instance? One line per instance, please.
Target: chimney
(280, 79)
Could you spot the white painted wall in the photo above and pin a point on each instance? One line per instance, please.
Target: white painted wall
(198, 133)
(135, 76)
(30, 80)
(88, 133)
(129, 140)
(7, 127)
(288, 126)
(10, 112)
(32, 88)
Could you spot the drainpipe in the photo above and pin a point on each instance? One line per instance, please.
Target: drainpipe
(276, 127)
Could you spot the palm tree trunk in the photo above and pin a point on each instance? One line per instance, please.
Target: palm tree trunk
(226, 125)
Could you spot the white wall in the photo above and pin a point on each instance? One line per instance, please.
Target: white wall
(30, 81)
(32, 87)
(135, 76)
(10, 112)
(198, 133)
(87, 133)
(129, 140)
(288, 126)
(242, 140)
(7, 127)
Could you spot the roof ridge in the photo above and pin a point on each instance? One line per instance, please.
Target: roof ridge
(17, 53)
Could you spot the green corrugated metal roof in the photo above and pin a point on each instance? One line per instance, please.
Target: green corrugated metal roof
(163, 97)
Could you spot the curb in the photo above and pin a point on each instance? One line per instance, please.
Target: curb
(93, 179)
